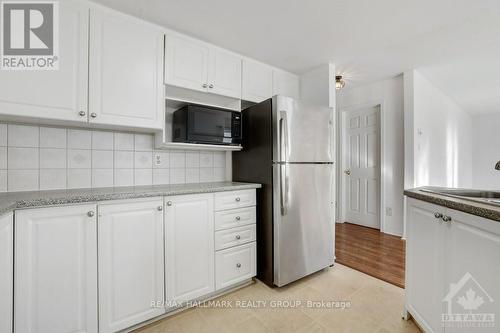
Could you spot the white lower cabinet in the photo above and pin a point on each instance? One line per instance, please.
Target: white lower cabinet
(131, 263)
(6, 271)
(235, 265)
(189, 246)
(56, 270)
(445, 260)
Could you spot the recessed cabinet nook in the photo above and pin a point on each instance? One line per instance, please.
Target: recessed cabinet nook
(109, 266)
(119, 72)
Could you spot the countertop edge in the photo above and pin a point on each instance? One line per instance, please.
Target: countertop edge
(60, 199)
(465, 206)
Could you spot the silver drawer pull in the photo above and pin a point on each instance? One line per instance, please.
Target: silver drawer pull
(238, 265)
(169, 203)
(238, 237)
(438, 215)
(446, 218)
(238, 199)
(238, 218)
(160, 208)
(90, 214)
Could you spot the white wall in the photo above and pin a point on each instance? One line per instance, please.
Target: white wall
(486, 152)
(440, 154)
(389, 94)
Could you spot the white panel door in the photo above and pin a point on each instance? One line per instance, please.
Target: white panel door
(131, 263)
(189, 246)
(224, 74)
(6, 271)
(186, 64)
(257, 81)
(125, 71)
(56, 270)
(473, 264)
(55, 94)
(361, 164)
(424, 263)
(286, 84)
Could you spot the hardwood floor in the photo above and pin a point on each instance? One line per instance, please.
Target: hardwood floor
(370, 251)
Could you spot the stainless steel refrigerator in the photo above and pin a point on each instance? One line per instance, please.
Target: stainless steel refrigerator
(288, 148)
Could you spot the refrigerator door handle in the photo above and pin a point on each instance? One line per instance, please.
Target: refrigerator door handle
(283, 189)
(283, 136)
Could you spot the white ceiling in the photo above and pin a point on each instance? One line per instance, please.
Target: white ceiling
(454, 43)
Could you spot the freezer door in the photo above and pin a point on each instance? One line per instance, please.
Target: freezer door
(301, 132)
(303, 220)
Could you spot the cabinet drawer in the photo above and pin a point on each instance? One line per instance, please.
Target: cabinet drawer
(235, 236)
(235, 199)
(234, 218)
(234, 265)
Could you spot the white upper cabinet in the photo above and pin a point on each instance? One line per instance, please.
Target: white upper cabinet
(186, 64)
(257, 81)
(286, 84)
(125, 71)
(224, 74)
(189, 246)
(6, 272)
(53, 94)
(196, 66)
(131, 263)
(56, 270)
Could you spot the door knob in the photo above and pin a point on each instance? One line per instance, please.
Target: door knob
(82, 113)
(438, 215)
(211, 86)
(347, 172)
(90, 214)
(169, 203)
(93, 115)
(238, 265)
(446, 218)
(204, 85)
(160, 208)
(238, 237)
(238, 218)
(238, 199)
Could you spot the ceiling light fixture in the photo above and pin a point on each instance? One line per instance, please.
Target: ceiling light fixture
(339, 82)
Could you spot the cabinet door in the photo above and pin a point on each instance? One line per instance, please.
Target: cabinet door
(56, 270)
(224, 74)
(473, 264)
(6, 272)
(189, 245)
(285, 84)
(424, 255)
(257, 81)
(186, 64)
(131, 263)
(125, 71)
(55, 94)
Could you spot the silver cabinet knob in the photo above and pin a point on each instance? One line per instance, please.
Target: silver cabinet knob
(169, 203)
(160, 208)
(204, 85)
(93, 115)
(238, 218)
(82, 113)
(211, 86)
(90, 214)
(238, 237)
(238, 265)
(347, 172)
(238, 199)
(446, 218)
(438, 215)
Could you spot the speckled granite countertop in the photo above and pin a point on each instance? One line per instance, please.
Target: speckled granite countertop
(18, 200)
(477, 208)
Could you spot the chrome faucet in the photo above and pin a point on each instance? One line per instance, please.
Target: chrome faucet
(497, 166)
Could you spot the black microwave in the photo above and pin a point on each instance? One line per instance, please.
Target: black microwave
(202, 124)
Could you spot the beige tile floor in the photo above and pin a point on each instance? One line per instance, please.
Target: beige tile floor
(376, 306)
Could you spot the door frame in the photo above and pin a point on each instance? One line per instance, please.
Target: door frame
(342, 154)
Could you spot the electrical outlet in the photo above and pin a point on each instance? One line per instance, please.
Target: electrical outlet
(388, 211)
(157, 159)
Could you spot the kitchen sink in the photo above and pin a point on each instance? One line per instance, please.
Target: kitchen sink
(489, 197)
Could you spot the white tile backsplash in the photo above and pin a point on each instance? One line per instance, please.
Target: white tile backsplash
(46, 158)
(79, 139)
(52, 137)
(22, 158)
(102, 140)
(52, 179)
(79, 159)
(23, 136)
(52, 158)
(102, 159)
